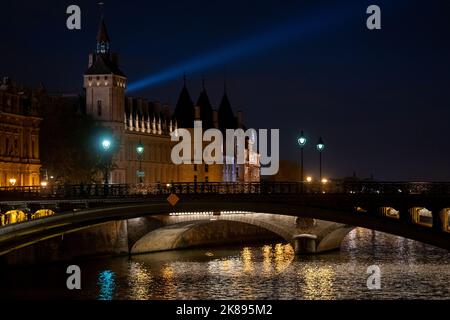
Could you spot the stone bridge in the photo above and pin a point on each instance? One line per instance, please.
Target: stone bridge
(313, 221)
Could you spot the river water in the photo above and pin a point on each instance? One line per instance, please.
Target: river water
(409, 269)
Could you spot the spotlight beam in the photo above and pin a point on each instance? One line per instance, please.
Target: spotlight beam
(298, 29)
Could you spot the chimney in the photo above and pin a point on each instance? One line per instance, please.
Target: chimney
(216, 119)
(115, 58)
(240, 123)
(91, 60)
(196, 113)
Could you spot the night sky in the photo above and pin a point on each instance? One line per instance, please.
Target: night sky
(380, 99)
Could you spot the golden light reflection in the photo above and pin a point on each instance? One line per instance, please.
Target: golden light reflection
(267, 259)
(167, 273)
(318, 282)
(277, 259)
(139, 281)
(284, 254)
(247, 259)
(168, 277)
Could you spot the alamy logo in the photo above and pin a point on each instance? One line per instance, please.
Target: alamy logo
(74, 280)
(240, 147)
(374, 280)
(73, 22)
(374, 20)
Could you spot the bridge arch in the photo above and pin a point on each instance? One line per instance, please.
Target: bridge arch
(13, 216)
(445, 217)
(42, 213)
(181, 231)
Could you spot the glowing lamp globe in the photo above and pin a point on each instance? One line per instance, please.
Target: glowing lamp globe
(301, 140)
(140, 148)
(106, 144)
(320, 145)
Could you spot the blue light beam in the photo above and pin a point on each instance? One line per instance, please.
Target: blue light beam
(282, 34)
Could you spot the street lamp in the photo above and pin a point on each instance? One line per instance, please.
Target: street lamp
(320, 147)
(106, 145)
(12, 181)
(302, 142)
(140, 151)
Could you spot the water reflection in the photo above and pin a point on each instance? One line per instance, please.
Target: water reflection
(107, 284)
(139, 281)
(317, 282)
(247, 260)
(410, 270)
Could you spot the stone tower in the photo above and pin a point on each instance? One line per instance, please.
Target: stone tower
(105, 85)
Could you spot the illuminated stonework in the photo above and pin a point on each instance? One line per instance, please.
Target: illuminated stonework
(19, 137)
(138, 121)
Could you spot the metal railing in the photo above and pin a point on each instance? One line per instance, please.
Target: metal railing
(131, 190)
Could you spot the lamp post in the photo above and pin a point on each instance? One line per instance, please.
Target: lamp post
(106, 145)
(140, 151)
(302, 142)
(320, 147)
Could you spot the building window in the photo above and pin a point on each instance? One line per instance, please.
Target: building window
(99, 108)
(195, 167)
(206, 179)
(206, 168)
(195, 179)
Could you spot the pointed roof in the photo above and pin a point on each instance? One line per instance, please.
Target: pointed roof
(206, 110)
(184, 110)
(227, 119)
(103, 62)
(104, 65)
(102, 34)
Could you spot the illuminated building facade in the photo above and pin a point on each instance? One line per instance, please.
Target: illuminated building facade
(138, 121)
(19, 136)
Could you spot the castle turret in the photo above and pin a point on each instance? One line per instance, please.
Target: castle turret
(105, 83)
(184, 110)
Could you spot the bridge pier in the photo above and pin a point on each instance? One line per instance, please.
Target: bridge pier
(305, 244)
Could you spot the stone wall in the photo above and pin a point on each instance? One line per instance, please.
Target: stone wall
(108, 238)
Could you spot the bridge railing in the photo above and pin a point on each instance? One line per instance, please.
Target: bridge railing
(132, 190)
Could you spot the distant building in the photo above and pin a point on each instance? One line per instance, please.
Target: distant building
(19, 136)
(137, 121)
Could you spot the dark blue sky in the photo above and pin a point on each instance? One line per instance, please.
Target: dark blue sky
(380, 99)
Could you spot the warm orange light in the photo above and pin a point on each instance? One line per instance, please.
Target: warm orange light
(324, 180)
(12, 181)
(308, 179)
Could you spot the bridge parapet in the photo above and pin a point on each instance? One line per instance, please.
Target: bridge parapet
(131, 190)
